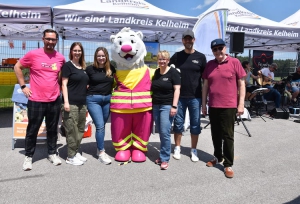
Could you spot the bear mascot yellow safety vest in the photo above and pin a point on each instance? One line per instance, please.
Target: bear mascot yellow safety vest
(131, 103)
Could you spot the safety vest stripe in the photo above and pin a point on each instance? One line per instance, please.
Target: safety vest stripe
(122, 141)
(140, 147)
(125, 147)
(131, 101)
(139, 139)
(146, 93)
(130, 98)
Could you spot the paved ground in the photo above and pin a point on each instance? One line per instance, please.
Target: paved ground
(266, 171)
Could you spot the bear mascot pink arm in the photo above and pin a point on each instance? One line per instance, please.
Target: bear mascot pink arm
(131, 103)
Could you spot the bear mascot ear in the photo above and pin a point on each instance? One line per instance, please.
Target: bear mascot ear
(140, 34)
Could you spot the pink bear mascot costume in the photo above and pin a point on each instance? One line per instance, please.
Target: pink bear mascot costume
(131, 103)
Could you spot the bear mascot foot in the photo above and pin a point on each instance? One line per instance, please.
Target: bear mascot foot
(138, 156)
(123, 155)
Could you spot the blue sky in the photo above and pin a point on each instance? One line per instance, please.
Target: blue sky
(275, 10)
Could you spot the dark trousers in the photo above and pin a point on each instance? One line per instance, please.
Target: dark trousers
(222, 132)
(36, 113)
(273, 94)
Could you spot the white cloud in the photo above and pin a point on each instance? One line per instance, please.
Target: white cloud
(209, 2)
(206, 3)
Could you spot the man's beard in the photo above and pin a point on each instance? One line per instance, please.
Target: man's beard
(50, 47)
(188, 46)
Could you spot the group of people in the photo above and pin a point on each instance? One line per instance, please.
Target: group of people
(83, 89)
(265, 79)
(174, 90)
(170, 102)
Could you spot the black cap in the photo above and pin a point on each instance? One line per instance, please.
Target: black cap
(216, 42)
(188, 32)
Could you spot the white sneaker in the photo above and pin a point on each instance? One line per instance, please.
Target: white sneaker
(103, 158)
(176, 154)
(74, 161)
(27, 165)
(53, 158)
(194, 156)
(80, 157)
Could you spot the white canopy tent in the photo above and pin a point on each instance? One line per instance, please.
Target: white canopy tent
(24, 22)
(260, 33)
(293, 20)
(95, 20)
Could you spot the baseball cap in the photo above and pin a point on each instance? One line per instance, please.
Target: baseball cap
(274, 65)
(188, 32)
(216, 42)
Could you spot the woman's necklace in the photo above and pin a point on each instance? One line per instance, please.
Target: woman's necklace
(77, 66)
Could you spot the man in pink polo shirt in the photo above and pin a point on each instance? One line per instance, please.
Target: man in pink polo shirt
(224, 83)
(43, 95)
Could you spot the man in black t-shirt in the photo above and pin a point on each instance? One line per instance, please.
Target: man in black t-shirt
(191, 64)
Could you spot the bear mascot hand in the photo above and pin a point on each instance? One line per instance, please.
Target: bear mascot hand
(131, 103)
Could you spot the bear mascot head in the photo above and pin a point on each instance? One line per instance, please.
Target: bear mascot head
(128, 49)
(131, 102)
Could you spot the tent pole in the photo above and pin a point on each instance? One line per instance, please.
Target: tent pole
(57, 45)
(63, 45)
(249, 56)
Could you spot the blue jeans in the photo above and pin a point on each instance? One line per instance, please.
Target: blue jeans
(273, 94)
(163, 122)
(194, 106)
(98, 107)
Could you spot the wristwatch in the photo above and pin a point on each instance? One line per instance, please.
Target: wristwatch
(23, 86)
(175, 107)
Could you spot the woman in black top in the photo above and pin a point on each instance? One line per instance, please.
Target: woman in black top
(98, 97)
(166, 89)
(74, 88)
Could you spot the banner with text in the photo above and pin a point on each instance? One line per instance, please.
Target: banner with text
(80, 18)
(265, 31)
(25, 14)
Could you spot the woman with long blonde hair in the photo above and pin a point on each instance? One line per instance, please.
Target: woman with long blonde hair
(98, 97)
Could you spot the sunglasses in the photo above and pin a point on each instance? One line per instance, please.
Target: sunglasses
(218, 48)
